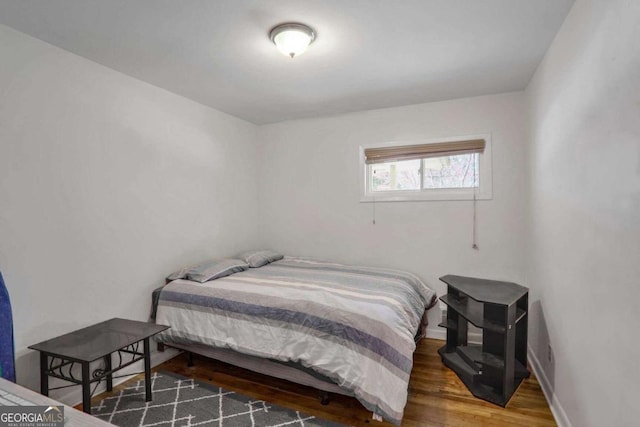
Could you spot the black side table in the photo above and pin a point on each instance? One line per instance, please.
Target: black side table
(493, 370)
(59, 355)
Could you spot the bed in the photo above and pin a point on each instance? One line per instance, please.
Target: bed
(339, 328)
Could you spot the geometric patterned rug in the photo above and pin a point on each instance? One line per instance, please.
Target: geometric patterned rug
(181, 401)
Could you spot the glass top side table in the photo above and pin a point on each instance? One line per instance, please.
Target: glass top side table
(59, 355)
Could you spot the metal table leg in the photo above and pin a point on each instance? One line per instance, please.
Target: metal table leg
(86, 388)
(107, 367)
(147, 369)
(44, 375)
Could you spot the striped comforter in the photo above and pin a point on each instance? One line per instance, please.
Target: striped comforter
(355, 325)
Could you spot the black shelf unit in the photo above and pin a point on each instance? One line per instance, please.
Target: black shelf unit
(493, 370)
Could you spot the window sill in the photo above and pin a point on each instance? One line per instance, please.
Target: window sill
(424, 196)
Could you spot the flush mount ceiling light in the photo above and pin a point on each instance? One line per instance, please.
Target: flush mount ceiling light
(292, 39)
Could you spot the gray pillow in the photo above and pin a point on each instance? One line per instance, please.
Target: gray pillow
(180, 274)
(259, 258)
(210, 270)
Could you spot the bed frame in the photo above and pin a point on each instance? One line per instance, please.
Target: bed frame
(262, 366)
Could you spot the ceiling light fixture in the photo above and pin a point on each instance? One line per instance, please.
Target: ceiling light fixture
(292, 39)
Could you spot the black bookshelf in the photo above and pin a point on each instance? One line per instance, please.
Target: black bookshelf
(493, 370)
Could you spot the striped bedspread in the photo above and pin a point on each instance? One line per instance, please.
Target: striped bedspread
(355, 325)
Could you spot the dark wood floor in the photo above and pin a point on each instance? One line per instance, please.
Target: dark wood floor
(436, 396)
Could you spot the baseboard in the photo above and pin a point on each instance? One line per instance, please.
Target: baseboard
(157, 358)
(441, 334)
(554, 404)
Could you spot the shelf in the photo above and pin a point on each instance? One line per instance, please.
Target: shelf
(482, 290)
(449, 324)
(520, 313)
(468, 359)
(473, 311)
(472, 378)
(474, 354)
(453, 360)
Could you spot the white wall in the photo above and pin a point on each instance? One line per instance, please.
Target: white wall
(309, 194)
(107, 184)
(584, 114)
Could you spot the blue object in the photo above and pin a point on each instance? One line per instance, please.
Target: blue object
(7, 349)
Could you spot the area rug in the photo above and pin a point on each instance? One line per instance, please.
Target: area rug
(182, 401)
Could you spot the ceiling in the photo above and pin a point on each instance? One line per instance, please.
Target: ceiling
(368, 53)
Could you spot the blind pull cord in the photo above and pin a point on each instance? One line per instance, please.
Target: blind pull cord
(374, 210)
(474, 244)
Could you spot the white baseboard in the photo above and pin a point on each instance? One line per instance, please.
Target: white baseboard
(441, 334)
(554, 404)
(74, 397)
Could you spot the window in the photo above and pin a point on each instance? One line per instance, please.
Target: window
(445, 169)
